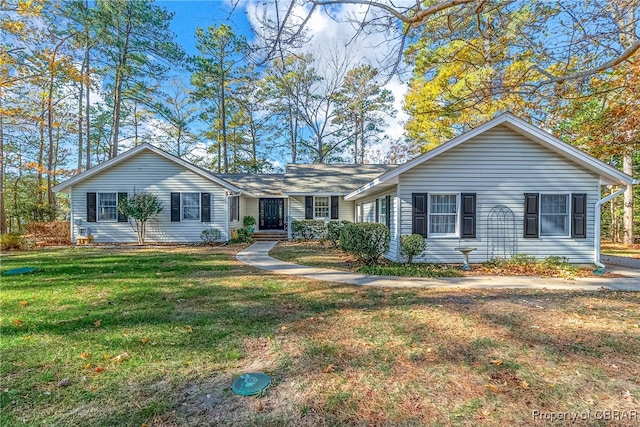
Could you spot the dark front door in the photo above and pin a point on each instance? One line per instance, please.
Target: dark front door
(271, 214)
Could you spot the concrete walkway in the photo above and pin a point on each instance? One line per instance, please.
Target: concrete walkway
(257, 255)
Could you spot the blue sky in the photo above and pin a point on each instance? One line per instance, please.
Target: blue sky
(188, 15)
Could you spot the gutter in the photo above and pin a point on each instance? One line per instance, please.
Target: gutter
(596, 240)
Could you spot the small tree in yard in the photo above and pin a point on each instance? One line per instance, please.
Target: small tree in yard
(412, 245)
(140, 207)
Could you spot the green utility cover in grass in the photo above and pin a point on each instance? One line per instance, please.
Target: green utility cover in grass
(251, 383)
(16, 271)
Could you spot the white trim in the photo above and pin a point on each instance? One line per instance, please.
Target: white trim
(285, 194)
(182, 206)
(568, 228)
(456, 232)
(64, 186)
(523, 128)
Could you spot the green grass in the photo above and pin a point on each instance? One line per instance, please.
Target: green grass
(193, 319)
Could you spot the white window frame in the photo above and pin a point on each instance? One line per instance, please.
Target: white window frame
(316, 207)
(382, 215)
(567, 215)
(99, 215)
(183, 205)
(432, 214)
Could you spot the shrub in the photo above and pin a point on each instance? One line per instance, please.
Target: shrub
(11, 241)
(366, 241)
(141, 207)
(333, 231)
(248, 221)
(52, 233)
(244, 236)
(210, 236)
(309, 229)
(412, 245)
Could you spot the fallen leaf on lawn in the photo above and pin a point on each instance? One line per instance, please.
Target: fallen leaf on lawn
(144, 425)
(87, 366)
(144, 340)
(26, 337)
(106, 356)
(328, 369)
(577, 315)
(550, 385)
(605, 397)
(120, 357)
(283, 328)
(97, 323)
(496, 362)
(99, 369)
(17, 322)
(524, 384)
(590, 307)
(64, 382)
(85, 355)
(627, 396)
(189, 329)
(23, 303)
(491, 386)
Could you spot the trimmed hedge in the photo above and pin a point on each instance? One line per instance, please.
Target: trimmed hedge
(333, 231)
(309, 229)
(366, 241)
(412, 245)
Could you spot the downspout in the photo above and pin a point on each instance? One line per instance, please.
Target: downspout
(226, 214)
(596, 237)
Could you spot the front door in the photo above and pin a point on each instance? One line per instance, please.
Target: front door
(271, 214)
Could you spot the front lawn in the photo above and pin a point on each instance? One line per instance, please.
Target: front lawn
(105, 336)
(620, 249)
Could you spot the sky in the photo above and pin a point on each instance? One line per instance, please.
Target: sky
(324, 32)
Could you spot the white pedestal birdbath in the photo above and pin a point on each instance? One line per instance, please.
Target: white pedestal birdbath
(465, 253)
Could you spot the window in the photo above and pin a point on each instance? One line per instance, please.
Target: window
(234, 208)
(190, 206)
(321, 207)
(107, 207)
(443, 212)
(554, 214)
(382, 210)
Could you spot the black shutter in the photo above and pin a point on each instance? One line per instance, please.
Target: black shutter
(468, 216)
(308, 207)
(579, 216)
(236, 208)
(91, 207)
(122, 198)
(387, 220)
(420, 210)
(175, 207)
(377, 215)
(205, 207)
(334, 207)
(531, 215)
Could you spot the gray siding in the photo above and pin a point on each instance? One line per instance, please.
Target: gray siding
(150, 172)
(346, 209)
(500, 166)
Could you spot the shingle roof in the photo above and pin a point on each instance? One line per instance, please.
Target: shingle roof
(256, 184)
(332, 178)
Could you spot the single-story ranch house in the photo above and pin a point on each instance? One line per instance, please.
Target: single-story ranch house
(504, 187)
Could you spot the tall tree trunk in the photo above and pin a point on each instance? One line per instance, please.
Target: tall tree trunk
(80, 120)
(87, 115)
(115, 127)
(50, 148)
(224, 125)
(135, 123)
(41, 156)
(3, 215)
(627, 168)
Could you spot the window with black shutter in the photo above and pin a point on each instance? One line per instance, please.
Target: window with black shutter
(334, 207)
(122, 198)
(91, 207)
(531, 215)
(419, 214)
(175, 207)
(205, 207)
(387, 219)
(579, 216)
(308, 207)
(468, 216)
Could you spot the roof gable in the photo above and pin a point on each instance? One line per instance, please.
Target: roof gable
(606, 172)
(66, 185)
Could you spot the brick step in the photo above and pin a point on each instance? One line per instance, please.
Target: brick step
(266, 236)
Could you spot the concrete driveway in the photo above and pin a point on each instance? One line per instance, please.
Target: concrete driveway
(257, 255)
